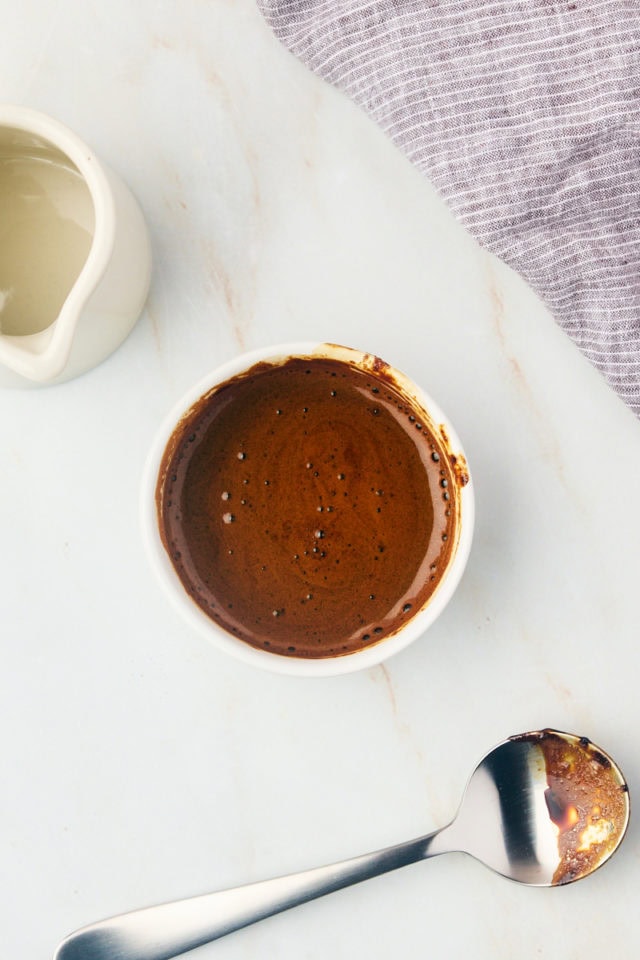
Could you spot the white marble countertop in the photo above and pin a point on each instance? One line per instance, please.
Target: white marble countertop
(139, 764)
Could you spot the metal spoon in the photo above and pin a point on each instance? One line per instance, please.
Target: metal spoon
(542, 808)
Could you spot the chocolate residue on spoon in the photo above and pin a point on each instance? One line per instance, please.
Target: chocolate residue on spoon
(587, 799)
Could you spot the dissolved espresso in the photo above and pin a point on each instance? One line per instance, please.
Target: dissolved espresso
(307, 508)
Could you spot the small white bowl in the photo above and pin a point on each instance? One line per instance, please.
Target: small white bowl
(194, 615)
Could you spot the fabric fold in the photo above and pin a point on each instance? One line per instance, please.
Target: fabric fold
(524, 116)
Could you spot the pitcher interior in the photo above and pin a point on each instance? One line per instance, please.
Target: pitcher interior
(46, 231)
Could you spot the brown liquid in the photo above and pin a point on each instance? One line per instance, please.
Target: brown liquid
(307, 508)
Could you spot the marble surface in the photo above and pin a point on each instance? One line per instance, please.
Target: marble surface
(138, 763)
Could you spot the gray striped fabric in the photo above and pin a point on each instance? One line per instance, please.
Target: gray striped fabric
(525, 117)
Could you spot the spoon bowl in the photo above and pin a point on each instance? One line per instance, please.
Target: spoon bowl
(542, 808)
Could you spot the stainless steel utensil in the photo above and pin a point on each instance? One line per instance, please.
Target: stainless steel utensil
(542, 808)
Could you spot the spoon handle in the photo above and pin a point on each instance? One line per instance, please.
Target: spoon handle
(167, 930)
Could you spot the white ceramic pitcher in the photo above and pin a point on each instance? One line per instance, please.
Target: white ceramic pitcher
(75, 260)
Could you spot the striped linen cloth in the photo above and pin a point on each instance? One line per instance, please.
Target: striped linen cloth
(524, 115)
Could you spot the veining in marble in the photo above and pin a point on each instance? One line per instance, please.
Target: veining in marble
(142, 765)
